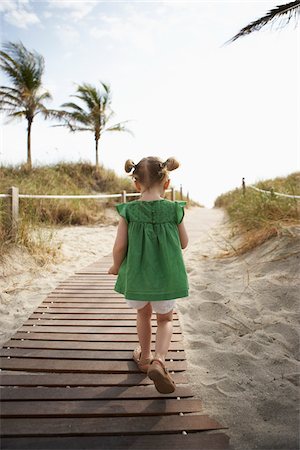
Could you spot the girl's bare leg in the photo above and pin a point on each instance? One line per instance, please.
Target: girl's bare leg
(144, 330)
(163, 334)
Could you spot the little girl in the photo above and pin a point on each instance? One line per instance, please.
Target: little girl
(147, 258)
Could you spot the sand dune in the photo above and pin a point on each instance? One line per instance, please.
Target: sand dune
(240, 322)
(241, 334)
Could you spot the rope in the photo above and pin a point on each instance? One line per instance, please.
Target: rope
(77, 196)
(275, 193)
(70, 196)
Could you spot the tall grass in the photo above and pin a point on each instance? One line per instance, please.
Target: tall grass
(258, 216)
(61, 179)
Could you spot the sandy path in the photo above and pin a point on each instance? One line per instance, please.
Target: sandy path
(240, 327)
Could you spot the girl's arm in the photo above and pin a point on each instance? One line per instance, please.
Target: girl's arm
(183, 235)
(120, 247)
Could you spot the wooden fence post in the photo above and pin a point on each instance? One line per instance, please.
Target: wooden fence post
(244, 186)
(181, 194)
(13, 212)
(123, 198)
(173, 194)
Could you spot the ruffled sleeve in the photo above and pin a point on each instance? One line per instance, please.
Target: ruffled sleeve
(179, 211)
(122, 210)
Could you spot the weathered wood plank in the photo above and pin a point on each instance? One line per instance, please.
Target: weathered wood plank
(90, 393)
(131, 318)
(83, 311)
(86, 305)
(83, 345)
(108, 425)
(97, 408)
(88, 329)
(85, 337)
(57, 365)
(88, 322)
(108, 296)
(191, 441)
(79, 354)
(82, 379)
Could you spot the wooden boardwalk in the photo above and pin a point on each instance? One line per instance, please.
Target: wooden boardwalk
(68, 380)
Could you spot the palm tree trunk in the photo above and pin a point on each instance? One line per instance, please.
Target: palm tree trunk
(97, 158)
(29, 162)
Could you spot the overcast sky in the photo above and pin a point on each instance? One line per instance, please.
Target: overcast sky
(225, 112)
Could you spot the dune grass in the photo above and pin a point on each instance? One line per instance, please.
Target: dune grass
(61, 179)
(258, 216)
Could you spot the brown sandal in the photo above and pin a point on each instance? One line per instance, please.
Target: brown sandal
(160, 376)
(143, 365)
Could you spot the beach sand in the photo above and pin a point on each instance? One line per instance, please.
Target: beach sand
(240, 323)
(240, 327)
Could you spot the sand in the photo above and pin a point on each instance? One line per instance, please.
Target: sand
(240, 327)
(240, 323)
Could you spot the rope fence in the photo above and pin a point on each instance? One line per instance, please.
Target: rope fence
(271, 192)
(278, 194)
(14, 196)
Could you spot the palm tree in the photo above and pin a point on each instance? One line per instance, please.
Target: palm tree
(24, 99)
(286, 11)
(96, 115)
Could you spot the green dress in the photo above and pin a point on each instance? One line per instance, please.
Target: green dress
(153, 268)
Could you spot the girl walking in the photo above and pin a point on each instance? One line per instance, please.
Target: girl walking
(147, 258)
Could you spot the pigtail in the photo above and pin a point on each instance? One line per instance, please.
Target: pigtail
(171, 164)
(129, 165)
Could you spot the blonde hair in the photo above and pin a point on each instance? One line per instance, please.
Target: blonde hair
(151, 170)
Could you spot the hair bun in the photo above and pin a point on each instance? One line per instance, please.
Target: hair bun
(129, 165)
(171, 164)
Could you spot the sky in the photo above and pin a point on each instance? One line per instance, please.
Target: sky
(224, 111)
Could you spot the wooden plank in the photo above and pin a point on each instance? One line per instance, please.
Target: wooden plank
(79, 354)
(91, 277)
(191, 441)
(86, 305)
(77, 311)
(108, 300)
(88, 322)
(108, 425)
(83, 345)
(88, 316)
(83, 292)
(96, 295)
(97, 408)
(88, 329)
(75, 289)
(90, 393)
(54, 365)
(82, 379)
(85, 337)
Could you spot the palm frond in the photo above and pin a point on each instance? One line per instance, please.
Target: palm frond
(8, 95)
(286, 11)
(44, 96)
(24, 68)
(74, 106)
(12, 115)
(119, 127)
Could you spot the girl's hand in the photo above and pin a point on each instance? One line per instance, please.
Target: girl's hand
(113, 271)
